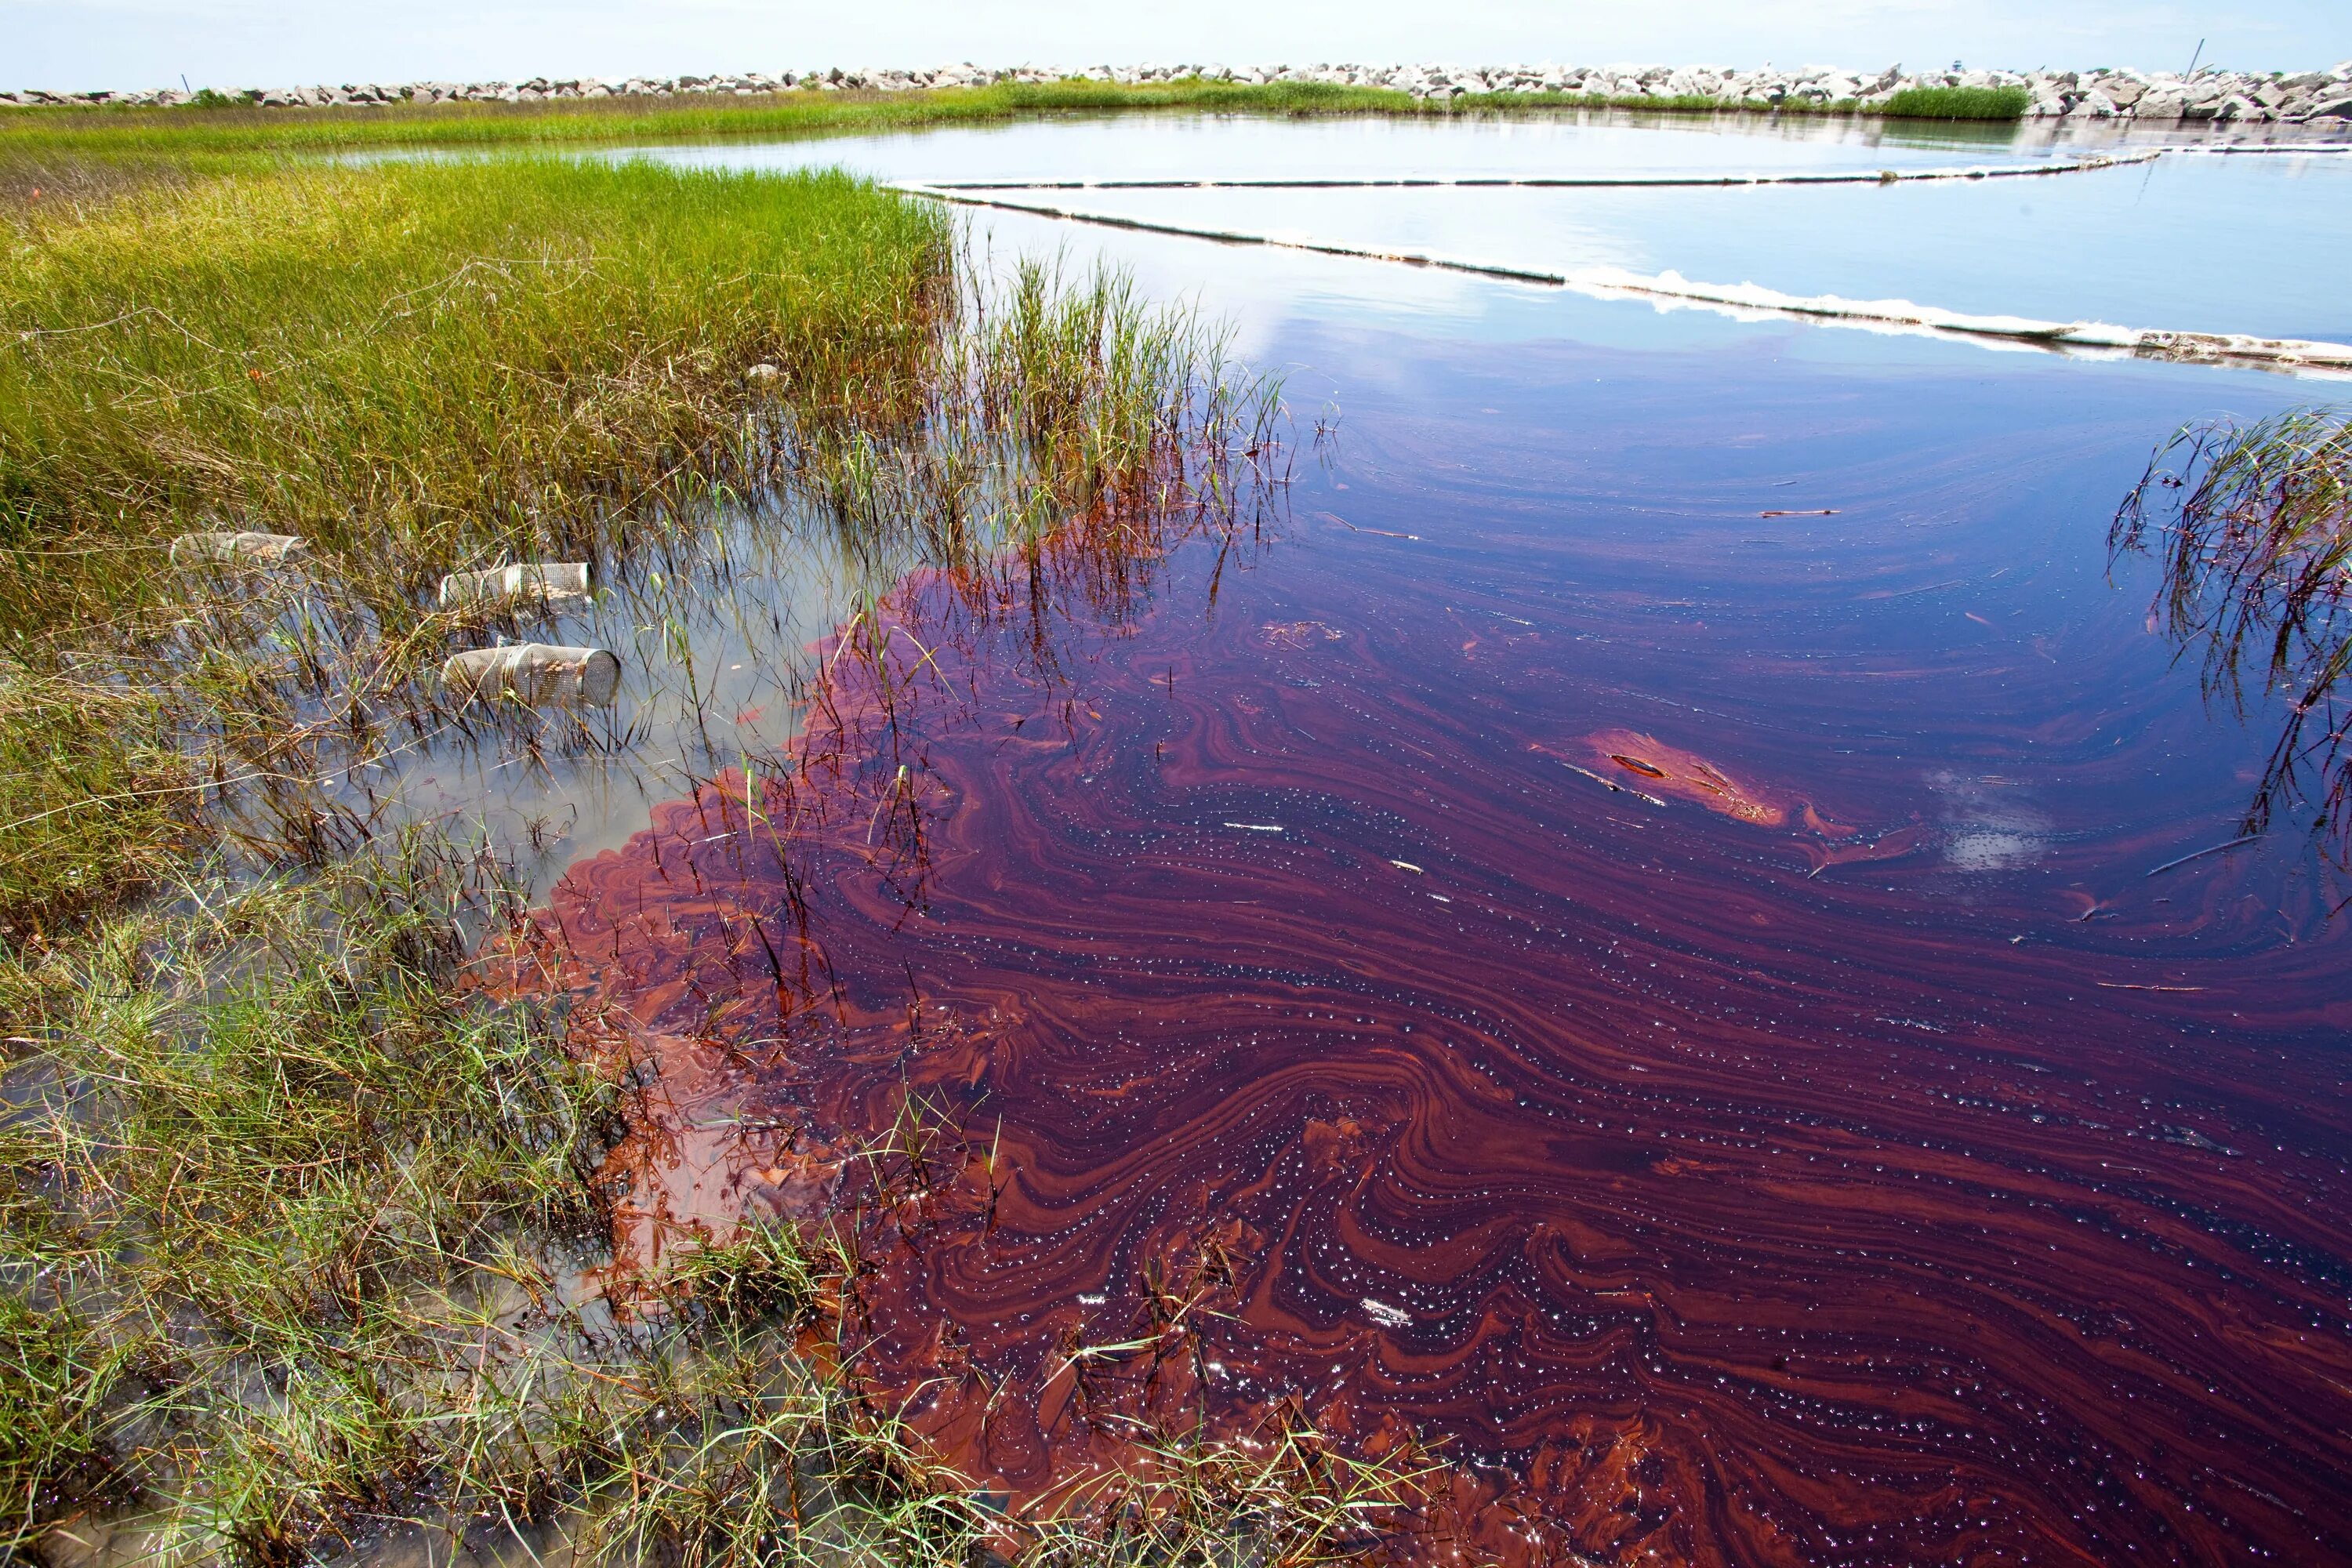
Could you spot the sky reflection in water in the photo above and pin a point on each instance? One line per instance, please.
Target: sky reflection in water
(2204, 243)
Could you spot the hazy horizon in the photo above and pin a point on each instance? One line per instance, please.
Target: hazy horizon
(93, 45)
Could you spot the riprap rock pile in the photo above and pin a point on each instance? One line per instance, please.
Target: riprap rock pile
(2210, 94)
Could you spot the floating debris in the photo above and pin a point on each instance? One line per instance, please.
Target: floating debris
(1678, 772)
(1257, 827)
(2201, 854)
(1383, 532)
(1296, 634)
(538, 580)
(227, 545)
(536, 673)
(762, 372)
(1386, 1316)
(1609, 784)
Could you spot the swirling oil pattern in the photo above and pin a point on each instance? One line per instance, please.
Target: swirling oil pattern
(1638, 942)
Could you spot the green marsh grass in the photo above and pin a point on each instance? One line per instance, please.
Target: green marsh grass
(302, 1228)
(317, 1268)
(406, 361)
(415, 367)
(188, 132)
(27, 135)
(1959, 103)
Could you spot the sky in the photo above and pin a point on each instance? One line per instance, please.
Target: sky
(87, 45)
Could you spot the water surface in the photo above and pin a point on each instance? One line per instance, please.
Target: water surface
(2197, 242)
(1627, 928)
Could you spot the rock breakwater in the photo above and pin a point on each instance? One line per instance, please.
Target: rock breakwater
(2209, 95)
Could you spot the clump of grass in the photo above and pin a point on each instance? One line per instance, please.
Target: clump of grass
(2253, 525)
(1285, 1489)
(276, 1140)
(55, 1381)
(740, 1453)
(1958, 103)
(94, 802)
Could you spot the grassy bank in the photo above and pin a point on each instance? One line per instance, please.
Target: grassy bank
(303, 1235)
(320, 1270)
(414, 362)
(414, 368)
(40, 132)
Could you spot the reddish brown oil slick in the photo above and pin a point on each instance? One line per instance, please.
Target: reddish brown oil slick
(1760, 1160)
(1674, 772)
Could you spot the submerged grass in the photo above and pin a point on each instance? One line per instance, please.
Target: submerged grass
(2253, 526)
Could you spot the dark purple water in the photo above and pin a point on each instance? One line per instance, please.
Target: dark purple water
(1837, 1142)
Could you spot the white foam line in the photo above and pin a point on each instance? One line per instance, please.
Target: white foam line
(1749, 300)
(1570, 181)
(2282, 149)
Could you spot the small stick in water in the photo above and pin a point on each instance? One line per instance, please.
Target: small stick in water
(1609, 784)
(2209, 849)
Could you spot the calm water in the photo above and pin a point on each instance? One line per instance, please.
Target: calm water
(1683, 1005)
(2202, 243)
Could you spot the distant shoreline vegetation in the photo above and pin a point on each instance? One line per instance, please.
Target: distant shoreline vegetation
(2209, 94)
(796, 112)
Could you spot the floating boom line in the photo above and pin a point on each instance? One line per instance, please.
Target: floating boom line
(1746, 301)
(1570, 181)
